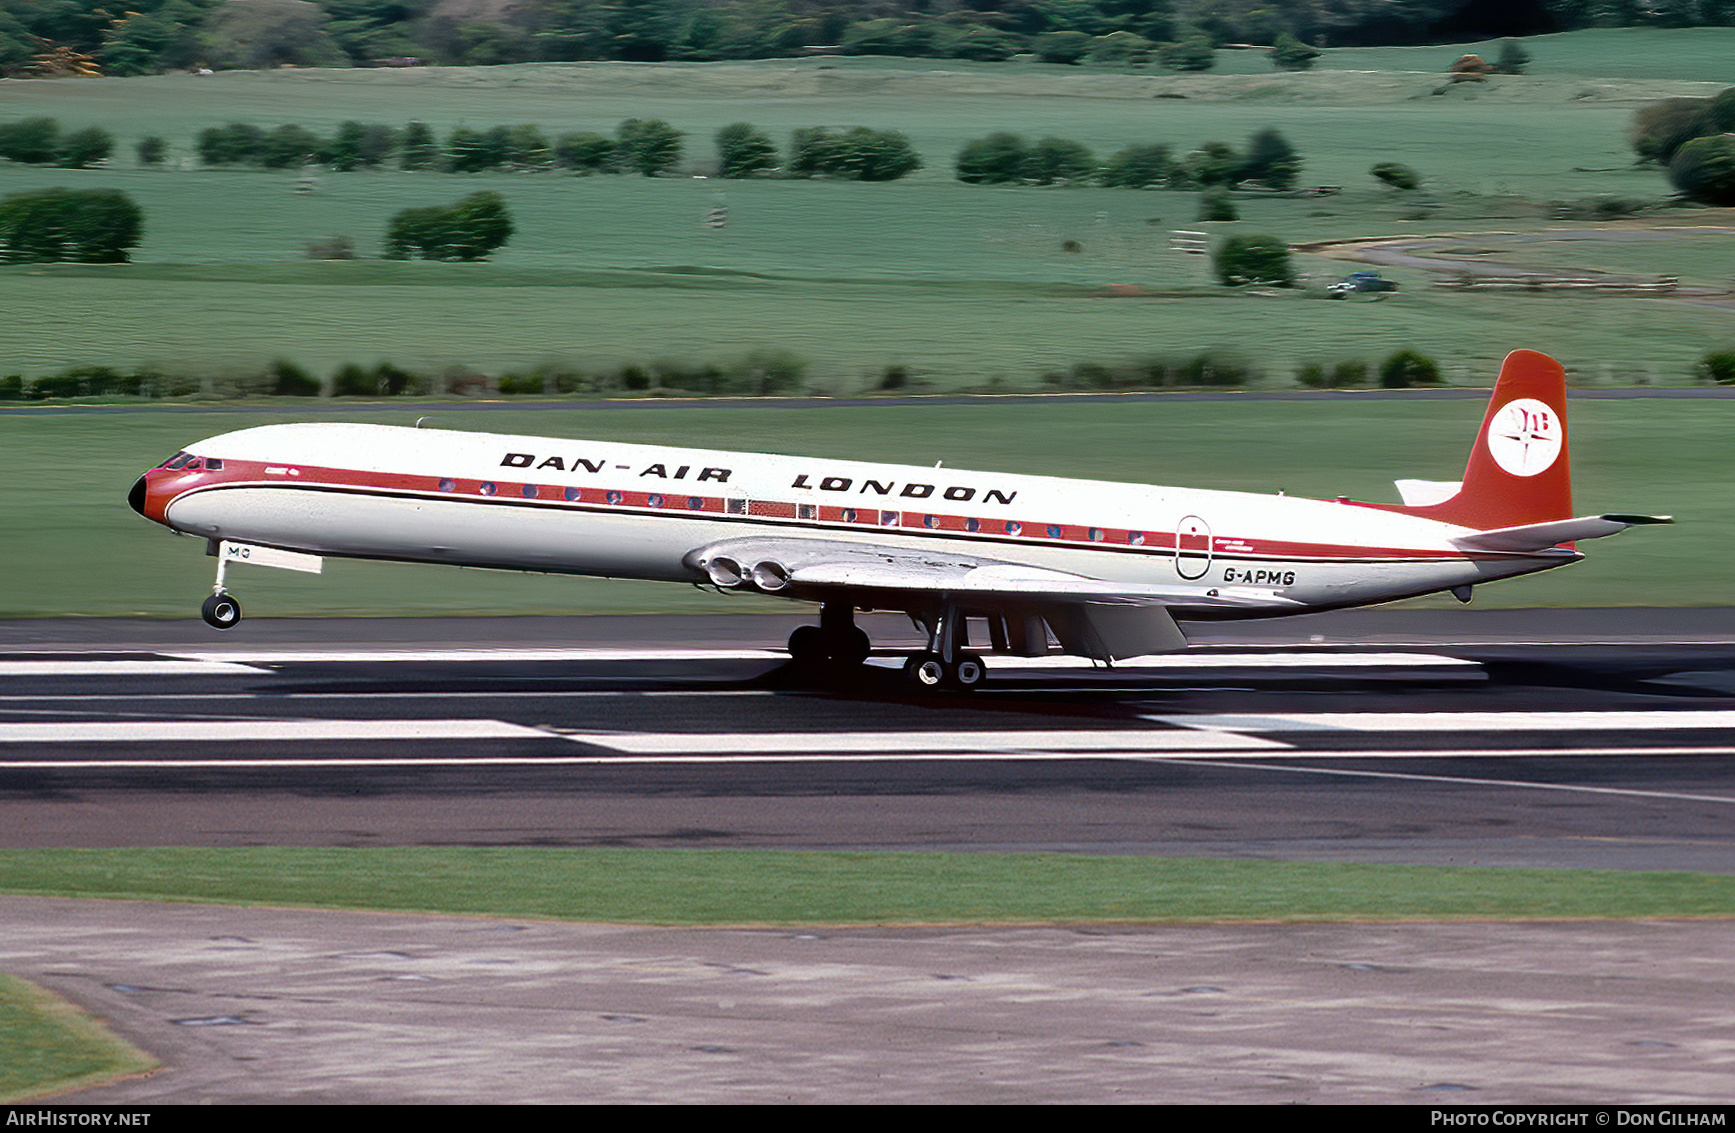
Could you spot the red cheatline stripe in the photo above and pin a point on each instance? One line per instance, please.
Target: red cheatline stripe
(673, 499)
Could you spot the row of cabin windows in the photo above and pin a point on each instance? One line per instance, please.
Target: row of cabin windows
(738, 505)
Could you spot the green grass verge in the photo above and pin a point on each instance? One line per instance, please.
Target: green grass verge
(72, 547)
(961, 284)
(48, 1046)
(713, 887)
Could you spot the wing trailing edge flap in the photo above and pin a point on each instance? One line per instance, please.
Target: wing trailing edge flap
(1113, 633)
(1542, 536)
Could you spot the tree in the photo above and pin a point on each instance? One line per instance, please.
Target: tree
(471, 151)
(1216, 204)
(1290, 54)
(1254, 258)
(84, 148)
(418, 150)
(1271, 160)
(1120, 48)
(1061, 46)
(743, 151)
(1660, 128)
(290, 147)
(1704, 170)
(472, 229)
(1718, 366)
(1214, 163)
(1395, 175)
(1053, 160)
(32, 141)
(152, 150)
(89, 226)
(994, 160)
(1191, 53)
(878, 155)
(586, 152)
(649, 145)
(1409, 368)
(256, 34)
(858, 154)
(238, 143)
(1138, 167)
(1513, 58)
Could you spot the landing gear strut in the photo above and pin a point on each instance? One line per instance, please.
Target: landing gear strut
(836, 642)
(221, 610)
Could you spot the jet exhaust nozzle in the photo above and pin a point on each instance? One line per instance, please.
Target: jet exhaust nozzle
(770, 575)
(725, 572)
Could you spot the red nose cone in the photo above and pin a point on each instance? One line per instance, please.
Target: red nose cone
(147, 496)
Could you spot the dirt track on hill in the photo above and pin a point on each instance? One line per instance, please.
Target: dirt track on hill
(1445, 254)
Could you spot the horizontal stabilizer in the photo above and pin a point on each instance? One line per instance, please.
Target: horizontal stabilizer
(1422, 493)
(1541, 536)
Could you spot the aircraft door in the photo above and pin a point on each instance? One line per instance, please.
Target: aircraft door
(1192, 547)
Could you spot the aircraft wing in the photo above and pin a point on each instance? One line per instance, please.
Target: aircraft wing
(799, 565)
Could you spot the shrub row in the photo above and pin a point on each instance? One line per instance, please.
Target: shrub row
(39, 141)
(1405, 369)
(759, 374)
(641, 145)
(764, 373)
(1211, 368)
(1006, 158)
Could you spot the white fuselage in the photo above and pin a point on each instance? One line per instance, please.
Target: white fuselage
(638, 511)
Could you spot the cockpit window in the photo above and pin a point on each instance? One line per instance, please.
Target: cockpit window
(176, 461)
(213, 464)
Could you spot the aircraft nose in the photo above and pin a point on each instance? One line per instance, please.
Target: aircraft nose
(136, 497)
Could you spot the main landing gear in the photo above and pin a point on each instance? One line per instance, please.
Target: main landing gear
(946, 663)
(836, 643)
(837, 646)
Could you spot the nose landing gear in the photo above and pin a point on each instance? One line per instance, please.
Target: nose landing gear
(221, 610)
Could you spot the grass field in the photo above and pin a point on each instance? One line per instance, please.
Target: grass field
(963, 285)
(73, 547)
(48, 1046)
(746, 887)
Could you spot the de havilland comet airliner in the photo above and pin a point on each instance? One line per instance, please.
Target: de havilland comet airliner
(1097, 569)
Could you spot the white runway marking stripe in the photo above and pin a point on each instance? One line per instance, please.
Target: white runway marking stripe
(262, 731)
(831, 744)
(466, 656)
(1454, 721)
(1295, 761)
(73, 667)
(1193, 659)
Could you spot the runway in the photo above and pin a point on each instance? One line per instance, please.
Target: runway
(1536, 738)
(1586, 739)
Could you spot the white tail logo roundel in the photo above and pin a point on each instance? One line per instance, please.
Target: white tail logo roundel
(1524, 437)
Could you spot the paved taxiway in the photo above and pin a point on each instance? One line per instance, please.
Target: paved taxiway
(1554, 738)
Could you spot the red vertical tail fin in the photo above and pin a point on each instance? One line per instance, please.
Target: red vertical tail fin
(1519, 471)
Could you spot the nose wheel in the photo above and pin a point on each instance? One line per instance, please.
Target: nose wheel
(221, 611)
